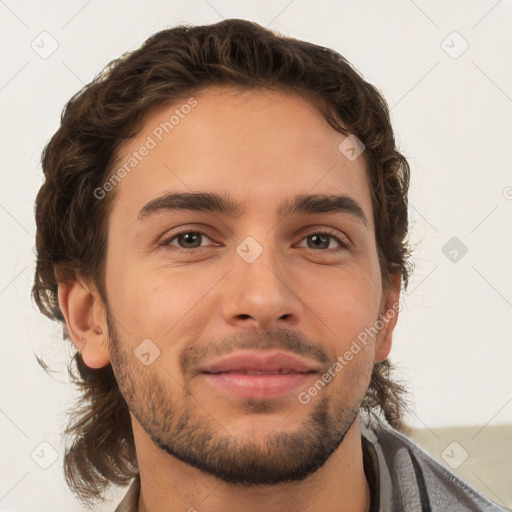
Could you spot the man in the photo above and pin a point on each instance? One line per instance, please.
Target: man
(222, 233)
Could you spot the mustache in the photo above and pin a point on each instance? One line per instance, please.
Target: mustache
(252, 339)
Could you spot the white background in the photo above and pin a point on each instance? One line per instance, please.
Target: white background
(452, 118)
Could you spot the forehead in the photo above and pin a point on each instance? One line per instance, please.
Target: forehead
(257, 145)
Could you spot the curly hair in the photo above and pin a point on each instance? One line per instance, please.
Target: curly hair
(71, 237)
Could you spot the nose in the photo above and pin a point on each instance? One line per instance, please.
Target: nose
(262, 293)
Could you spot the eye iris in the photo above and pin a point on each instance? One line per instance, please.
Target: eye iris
(190, 237)
(319, 238)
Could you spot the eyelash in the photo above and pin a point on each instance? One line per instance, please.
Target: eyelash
(343, 245)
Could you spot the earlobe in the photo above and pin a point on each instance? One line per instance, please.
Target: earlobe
(85, 318)
(388, 318)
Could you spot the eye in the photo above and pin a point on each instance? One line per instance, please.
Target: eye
(320, 240)
(187, 240)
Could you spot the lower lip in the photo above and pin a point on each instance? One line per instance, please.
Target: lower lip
(258, 386)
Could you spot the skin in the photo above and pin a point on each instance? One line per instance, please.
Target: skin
(260, 147)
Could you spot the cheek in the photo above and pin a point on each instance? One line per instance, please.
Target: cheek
(157, 302)
(132, 299)
(347, 300)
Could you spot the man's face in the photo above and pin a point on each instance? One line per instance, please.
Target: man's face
(255, 283)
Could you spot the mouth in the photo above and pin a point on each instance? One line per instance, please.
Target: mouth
(244, 371)
(257, 375)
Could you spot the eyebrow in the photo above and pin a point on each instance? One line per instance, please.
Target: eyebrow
(223, 204)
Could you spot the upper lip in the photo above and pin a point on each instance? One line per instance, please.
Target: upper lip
(256, 361)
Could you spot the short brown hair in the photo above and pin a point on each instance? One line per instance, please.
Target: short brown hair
(71, 223)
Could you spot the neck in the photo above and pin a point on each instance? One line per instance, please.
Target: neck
(171, 485)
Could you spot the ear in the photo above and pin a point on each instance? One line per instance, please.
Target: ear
(389, 311)
(85, 316)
